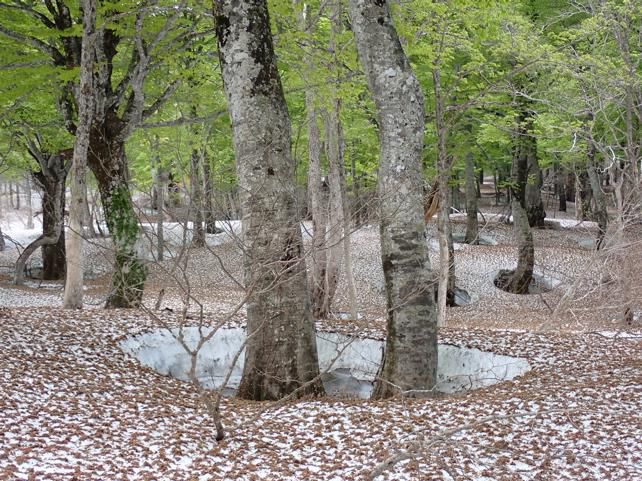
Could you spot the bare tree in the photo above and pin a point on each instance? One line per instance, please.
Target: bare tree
(410, 359)
(281, 352)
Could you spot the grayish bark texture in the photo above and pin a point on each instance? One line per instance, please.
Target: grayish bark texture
(73, 297)
(472, 224)
(281, 355)
(410, 359)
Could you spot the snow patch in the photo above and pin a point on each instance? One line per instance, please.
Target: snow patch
(349, 364)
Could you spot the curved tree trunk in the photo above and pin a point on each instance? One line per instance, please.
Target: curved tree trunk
(52, 235)
(410, 359)
(281, 355)
(51, 180)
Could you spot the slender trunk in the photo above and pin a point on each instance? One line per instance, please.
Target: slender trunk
(410, 359)
(583, 197)
(17, 195)
(534, 205)
(317, 191)
(281, 356)
(335, 217)
(73, 297)
(208, 214)
(161, 179)
(600, 215)
(560, 186)
(12, 202)
(28, 193)
(196, 199)
(472, 224)
(445, 294)
(2, 242)
(337, 175)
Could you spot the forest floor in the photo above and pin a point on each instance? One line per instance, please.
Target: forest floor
(73, 406)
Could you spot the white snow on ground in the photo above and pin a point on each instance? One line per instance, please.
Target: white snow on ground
(74, 406)
(350, 364)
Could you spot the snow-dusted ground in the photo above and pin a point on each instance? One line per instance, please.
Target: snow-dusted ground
(350, 364)
(73, 406)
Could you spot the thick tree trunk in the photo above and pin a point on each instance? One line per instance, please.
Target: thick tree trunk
(281, 355)
(410, 358)
(73, 298)
(472, 224)
(51, 180)
(107, 161)
(518, 280)
(52, 239)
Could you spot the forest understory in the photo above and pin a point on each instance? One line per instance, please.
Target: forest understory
(74, 406)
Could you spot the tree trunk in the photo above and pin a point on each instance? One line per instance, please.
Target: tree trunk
(534, 205)
(208, 209)
(336, 221)
(107, 161)
(28, 193)
(52, 239)
(517, 281)
(445, 294)
(281, 355)
(410, 359)
(73, 298)
(196, 199)
(51, 180)
(318, 194)
(600, 214)
(583, 197)
(472, 224)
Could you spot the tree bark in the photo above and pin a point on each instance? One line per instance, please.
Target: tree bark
(28, 193)
(107, 161)
(410, 358)
(51, 180)
(534, 205)
(472, 224)
(318, 194)
(196, 199)
(52, 240)
(281, 355)
(517, 281)
(73, 297)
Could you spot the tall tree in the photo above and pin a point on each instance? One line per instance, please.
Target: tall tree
(281, 354)
(410, 359)
(73, 297)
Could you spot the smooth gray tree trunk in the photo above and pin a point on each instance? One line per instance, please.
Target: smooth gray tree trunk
(73, 297)
(410, 358)
(281, 356)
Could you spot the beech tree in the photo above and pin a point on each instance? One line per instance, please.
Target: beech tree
(281, 356)
(410, 359)
(84, 99)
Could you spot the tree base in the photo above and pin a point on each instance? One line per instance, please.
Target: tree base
(510, 281)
